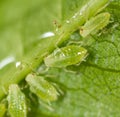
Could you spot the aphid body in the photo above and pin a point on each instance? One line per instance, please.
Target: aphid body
(66, 56)
(16, 102)
(93, 7)
(95, 24)
(42, 88)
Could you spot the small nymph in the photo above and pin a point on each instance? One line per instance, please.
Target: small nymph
(95, 24)
(16, 102)
(66, 56)
(42, 88)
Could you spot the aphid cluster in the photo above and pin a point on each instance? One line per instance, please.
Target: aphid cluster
(61, 57)
(16, 99)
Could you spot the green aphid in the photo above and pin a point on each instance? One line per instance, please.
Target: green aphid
(16, 102)
(95, 24)
(88, 10)
(63, 57)
(42, 88)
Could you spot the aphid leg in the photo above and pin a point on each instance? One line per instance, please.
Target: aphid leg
(74, 42)
(42, 69)
(46, 105)
(82, 60)
(60, 92)
(69, 71)
(31, 97)
(85, 57)
(50, 76)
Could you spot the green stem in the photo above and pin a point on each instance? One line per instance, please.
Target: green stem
(46, 46)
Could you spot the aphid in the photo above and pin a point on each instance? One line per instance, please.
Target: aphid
(42, 88)
(16, 102)
(66, 56)
(2, 109)
(88, 10)
(95, 24)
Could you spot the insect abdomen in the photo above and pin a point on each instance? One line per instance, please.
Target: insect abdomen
(95, 24)
(42, 88)
(66, 56)
(16, 102)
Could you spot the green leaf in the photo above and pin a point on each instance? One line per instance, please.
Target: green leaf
(19, 18)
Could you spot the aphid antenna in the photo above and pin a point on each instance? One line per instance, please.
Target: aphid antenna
(85, 57)
(74, 42)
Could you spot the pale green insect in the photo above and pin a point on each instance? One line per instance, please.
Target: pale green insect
(66, 56)
(16, 102)
(42, 88)
(2, 109)
(95, 24)
(88, 10)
